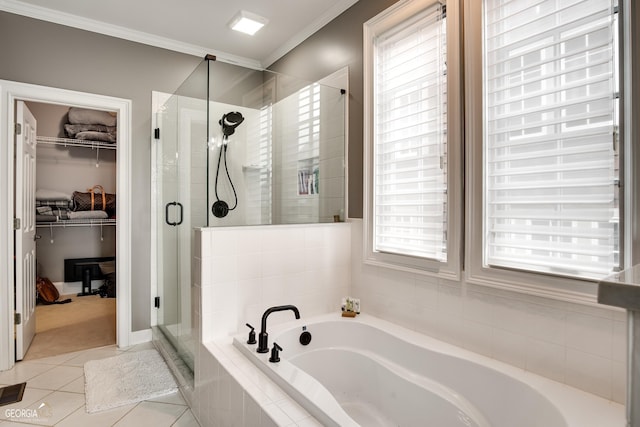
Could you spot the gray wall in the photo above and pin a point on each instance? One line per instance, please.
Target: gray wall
(47, 54)
(53, 55)
(336, 45)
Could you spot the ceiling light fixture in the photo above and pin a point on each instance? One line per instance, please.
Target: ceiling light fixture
(247, 22)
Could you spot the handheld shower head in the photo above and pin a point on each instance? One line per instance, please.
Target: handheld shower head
(230, 122)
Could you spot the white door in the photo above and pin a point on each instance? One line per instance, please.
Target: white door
(26, 234)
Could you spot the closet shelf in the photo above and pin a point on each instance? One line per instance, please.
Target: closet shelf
(71, 142)
(76, 223)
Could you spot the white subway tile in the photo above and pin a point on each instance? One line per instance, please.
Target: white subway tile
(546, 359)
(509, 347)
(278, 416)
(590, 334)
(476, 337)
(249, 265)
(251, 412)
(450, 299)
(509, 314)
(619, 382)
(224, 242)
(546, 323)
(248, 240)
(223, 269)
(479, 307)
(620, 341)
(589, 372)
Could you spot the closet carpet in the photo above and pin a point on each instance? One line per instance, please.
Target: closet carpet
(85, 322)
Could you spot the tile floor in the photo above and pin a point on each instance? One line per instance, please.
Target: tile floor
(58, 382)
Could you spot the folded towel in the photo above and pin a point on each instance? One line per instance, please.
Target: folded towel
(88, 215)
(72, 130)
(46, 194)
(96, 136)
(44, 210)
(63, 204)
(83, 116)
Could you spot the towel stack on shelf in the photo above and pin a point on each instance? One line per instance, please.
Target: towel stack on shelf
(91, 125)
(54, 206)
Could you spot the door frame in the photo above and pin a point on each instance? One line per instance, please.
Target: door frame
(10, 92)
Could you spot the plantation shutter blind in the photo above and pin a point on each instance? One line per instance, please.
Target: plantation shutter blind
(410, 166)
(551, 167)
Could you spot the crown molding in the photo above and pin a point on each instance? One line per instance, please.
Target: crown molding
(69, 20)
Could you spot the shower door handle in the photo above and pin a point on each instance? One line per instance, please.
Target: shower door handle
(181, 210)
(166, 213)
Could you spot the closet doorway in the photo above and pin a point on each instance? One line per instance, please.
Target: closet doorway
(15, 310)
(75, 227)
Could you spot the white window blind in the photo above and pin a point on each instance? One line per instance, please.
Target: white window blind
(550, 161)
(410, 138)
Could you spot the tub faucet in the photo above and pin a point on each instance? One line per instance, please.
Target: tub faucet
(263, 337)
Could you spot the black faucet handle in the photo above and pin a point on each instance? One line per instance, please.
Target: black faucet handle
(252, 335)
(275, 353)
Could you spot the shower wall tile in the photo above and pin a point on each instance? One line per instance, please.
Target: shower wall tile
(582, 346)
(245, 270)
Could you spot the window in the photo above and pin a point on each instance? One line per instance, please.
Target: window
(543, 204)
(407, 110)
(550, 147)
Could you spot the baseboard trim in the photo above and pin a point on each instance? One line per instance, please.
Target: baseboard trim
(139, 337)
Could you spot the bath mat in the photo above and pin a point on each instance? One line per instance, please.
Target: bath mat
(11, 393)
(126, 378)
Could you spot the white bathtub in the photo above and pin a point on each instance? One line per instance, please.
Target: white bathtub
(369, 372)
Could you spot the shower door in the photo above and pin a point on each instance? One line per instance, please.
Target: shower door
(181, 193)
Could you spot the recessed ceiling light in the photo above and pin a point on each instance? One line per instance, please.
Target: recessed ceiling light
(247, 22)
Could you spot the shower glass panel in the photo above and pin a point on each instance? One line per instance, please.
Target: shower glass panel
(284, 161)
(237, 146)
(181, 152)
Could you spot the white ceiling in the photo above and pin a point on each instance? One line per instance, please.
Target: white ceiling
(195, 27)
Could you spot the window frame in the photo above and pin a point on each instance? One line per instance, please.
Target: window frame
(391, 17)
(465, 150)
(564, 288)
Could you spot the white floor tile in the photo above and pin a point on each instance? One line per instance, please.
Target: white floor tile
(152, 414)
(56, 378)
(54, 407)
(59, 359)
(31, 398)
(173, 398)
(14, 424)
(93, 354)
(56, 386)
(187, 420)
(76, 386)
(23, 371)
(80, 418)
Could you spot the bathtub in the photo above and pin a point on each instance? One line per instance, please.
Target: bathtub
(367, 372)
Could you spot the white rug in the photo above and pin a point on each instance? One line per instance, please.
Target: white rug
(126, 378)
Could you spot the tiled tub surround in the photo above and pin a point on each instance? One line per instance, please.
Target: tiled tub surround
(238, 273)
(251, 268)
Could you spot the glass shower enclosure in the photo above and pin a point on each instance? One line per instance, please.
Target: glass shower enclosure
(237, 147)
